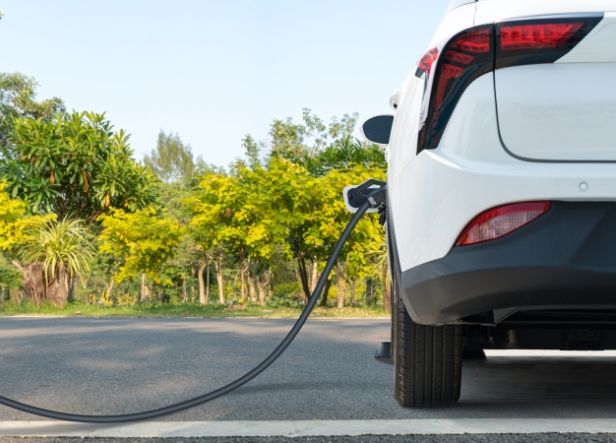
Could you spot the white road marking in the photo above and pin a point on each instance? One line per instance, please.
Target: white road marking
(189, 429)
(548, 353)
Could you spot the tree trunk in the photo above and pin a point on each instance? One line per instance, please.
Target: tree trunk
(34, 285)
(207, 283)
(203, 294)
(386, 287)
(243, 288)
(303, 277)
(340, 285)
(352, 292)
(184, 289)
(269, 290)
(314, 278)
(219, 281)
(57, 289)
(109, 291)
(191, 286)
(262, 285)
(144, 291)
(71, 290)
(369, 292)
(252, 287)
(325, 296)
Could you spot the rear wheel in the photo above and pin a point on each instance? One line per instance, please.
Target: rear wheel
(427, 361)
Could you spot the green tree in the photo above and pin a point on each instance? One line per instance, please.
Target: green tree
(347, 152)
(10, 277)
(293, 199)
(171, 160)
(320, 147)
(322, 227)
(18, 99)
(141, 241)
(74, 165)
(17, 229)
(16, 226)
(252, 151)
(64, 249)
(189, 260)
(210, 210)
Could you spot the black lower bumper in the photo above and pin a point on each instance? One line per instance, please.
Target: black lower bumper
(566, 259)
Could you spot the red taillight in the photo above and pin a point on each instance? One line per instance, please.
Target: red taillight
(425, 63)
(464, 51)
(476, 41)
(500, 221)
(466, 56)
(535, 41)
(477, 51)
(537, 36)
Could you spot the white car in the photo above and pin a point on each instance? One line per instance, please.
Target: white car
(501, 205)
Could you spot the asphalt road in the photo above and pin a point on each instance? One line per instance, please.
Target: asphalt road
(111, 366)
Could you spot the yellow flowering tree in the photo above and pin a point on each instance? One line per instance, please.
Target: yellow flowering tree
(141, 242)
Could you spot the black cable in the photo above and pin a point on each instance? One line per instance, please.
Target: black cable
(196, 401)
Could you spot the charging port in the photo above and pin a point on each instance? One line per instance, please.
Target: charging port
(372, 191)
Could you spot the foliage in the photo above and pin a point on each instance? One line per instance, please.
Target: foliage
(17, 99)
(320, 147)
(142, 241)
(61, 247)
(17, 228)
(9, 274)
(256, 232)
(171, 160)
(74, 165)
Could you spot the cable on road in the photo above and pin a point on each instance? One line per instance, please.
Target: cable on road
(373, 199)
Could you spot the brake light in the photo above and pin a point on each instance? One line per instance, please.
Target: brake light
(467, 56)
(537, 36)
(539, 40)
(500, 221)
(477, 51)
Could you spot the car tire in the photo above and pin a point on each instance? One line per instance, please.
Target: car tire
(427, 361)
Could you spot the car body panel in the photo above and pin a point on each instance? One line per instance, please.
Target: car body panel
(494, 11)
(563, 111)
(438, 192)
(598, 46)
(559, 111)
(524, 133)
(563, 260)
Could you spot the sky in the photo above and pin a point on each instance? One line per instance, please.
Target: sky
(215, 70)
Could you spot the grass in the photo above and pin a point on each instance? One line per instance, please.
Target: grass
(170, 310)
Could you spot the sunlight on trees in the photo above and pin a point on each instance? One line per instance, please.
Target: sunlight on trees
(76, 206)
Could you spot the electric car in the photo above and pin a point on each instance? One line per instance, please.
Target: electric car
(501, 189)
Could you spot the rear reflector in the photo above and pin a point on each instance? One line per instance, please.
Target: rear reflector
(500, 221)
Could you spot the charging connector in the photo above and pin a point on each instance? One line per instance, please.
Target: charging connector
(371, 191)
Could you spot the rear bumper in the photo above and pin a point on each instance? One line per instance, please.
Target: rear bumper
(566, 259)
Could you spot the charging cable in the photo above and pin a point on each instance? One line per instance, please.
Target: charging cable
(373, 198)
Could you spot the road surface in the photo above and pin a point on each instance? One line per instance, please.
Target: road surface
(327, 382)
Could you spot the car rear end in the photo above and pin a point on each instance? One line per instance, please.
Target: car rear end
(502, 187)
(514, 180)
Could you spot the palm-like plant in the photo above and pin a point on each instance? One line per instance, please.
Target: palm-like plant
(64, 249)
